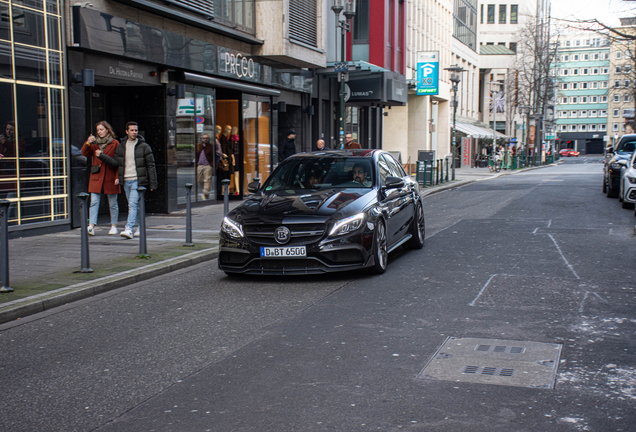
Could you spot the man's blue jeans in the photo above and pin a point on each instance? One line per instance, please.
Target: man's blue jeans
(130, 188)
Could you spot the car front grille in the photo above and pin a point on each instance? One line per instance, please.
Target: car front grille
(233, 257)
(301, 234)
(279, 264)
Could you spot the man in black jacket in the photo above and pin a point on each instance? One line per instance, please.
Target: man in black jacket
(288, 147)
(136, 168)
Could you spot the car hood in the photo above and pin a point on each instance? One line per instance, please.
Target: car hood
(286, 207)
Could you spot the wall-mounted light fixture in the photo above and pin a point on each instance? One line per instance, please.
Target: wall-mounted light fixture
(86, 77)
(178, 91)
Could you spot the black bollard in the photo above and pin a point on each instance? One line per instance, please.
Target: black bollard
(4, 247)
(188, 240)
(142, 223)
(226, 196)
(86, 262)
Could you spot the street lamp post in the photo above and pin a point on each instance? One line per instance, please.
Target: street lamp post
(455, 78)
(349, 7)
(524, 110)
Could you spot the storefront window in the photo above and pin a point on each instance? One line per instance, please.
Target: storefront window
(33, 169)
(256, 139)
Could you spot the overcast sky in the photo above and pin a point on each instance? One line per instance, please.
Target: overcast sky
(606, 11)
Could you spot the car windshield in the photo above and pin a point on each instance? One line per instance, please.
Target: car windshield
(626, 145)
(317, 173)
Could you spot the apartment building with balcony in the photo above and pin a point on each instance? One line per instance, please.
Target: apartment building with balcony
(622, 80)
(582, 69)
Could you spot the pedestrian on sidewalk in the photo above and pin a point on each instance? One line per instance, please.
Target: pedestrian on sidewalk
(320, 145)
(136, 168)
(205, 160)
(100, 151)
(288, 147)
(350, 144)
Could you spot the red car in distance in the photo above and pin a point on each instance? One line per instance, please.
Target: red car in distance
(568, 152)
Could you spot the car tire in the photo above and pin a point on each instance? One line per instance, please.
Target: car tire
(627, 205)
(611, 192)
(380, 252)
(620, 193)
(418, 229)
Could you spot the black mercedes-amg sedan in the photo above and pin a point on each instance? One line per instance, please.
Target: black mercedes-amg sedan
(324, 212)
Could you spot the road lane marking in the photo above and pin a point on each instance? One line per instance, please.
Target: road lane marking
(472, 303)
(563, 256)
(587, 293)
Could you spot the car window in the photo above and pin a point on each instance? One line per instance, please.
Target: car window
(626, 146)
(394, 167)
(384, 169)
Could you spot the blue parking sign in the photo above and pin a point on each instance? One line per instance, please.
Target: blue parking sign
(428, 73)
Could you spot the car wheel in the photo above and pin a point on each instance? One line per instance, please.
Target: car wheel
(418, 229)
(620, 193)
(611, 192)
(381, 254)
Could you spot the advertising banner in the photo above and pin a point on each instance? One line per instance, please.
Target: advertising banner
(467, 152)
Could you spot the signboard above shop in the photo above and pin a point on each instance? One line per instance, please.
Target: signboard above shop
(427, 73)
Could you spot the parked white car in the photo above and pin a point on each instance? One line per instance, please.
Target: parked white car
(627, 191)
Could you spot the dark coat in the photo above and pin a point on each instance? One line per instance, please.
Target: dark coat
(209, 153)
(228, 150)
(287, 148)
(144, 162)
(107, 174)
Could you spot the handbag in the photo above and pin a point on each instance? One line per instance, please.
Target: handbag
(95, 168)
(224, 165)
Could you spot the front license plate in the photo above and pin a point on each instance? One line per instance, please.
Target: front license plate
(284, 252)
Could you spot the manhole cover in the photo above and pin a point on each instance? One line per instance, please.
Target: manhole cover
(495, 361)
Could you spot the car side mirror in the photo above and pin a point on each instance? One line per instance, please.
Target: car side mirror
(394, 182)
(254, 186)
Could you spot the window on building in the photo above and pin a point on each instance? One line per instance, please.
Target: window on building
(605, 70)
(563, 128)
(565, 71)
(582, 128)
(617, 69)
(626, 83)
(584, 85)
(593, 127)
(564, 86)
(618, 55)
(603, 99)
(575, 71)
(578, 42)
(513, 47)
(625, 97)
(583, 99)
(563, 114)
(615, 112)
(602, 127)
(481, 14)
(514, 14)
(501, 44)
(502, 14)
(615, 127)
(626, 112)
(593, 99)
(575, 86)
(594, 84)
(566, 57)
(617, 84)
(586, 56)
(491, 14)
(573, 114)
(617, 98)
(572, 128)
(594, 71)
(596, 56)
(593, 113)
(583, 113)
(576, 57)
(240, 13)
(604, 84)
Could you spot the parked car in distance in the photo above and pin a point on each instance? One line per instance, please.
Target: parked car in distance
(324, 212)
(568, 152)
(611, 166)
(627, 191)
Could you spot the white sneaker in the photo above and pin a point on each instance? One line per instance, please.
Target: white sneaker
(113, 231)
(137, 232)
(90, 230)
(127, 233)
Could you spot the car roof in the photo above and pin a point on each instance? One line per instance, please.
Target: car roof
(344, 153)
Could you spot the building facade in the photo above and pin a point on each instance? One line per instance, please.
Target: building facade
(622, 76)
(583, 76)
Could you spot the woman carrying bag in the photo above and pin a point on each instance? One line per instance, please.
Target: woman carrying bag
(103, 174)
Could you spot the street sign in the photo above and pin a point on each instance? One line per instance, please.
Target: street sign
(550, 136)
(427, 73)
(341, 67)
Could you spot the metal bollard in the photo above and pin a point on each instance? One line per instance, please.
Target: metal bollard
(86, 264)
(425, 166)
(4, 247)
(446, 161)
(188, 240)
(142, 223)
(226, 197)
(440, 164)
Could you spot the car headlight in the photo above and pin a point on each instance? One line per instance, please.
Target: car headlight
(615, 165)
(631, 179)
(347, 225)
(232, 228)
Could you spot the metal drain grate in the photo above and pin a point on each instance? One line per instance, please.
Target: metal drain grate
(493, 361)
(489, 370)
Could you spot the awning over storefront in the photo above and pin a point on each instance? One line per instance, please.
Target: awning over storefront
(477, 131)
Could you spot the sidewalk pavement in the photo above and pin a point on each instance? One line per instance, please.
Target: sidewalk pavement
(44, 270)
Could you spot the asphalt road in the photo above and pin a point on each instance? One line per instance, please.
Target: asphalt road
(540, 257)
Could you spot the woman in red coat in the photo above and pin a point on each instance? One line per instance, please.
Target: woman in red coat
(103, 174)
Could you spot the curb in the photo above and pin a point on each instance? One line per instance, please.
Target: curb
(41, 302)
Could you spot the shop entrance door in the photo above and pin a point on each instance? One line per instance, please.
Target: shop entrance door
(256, 139)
